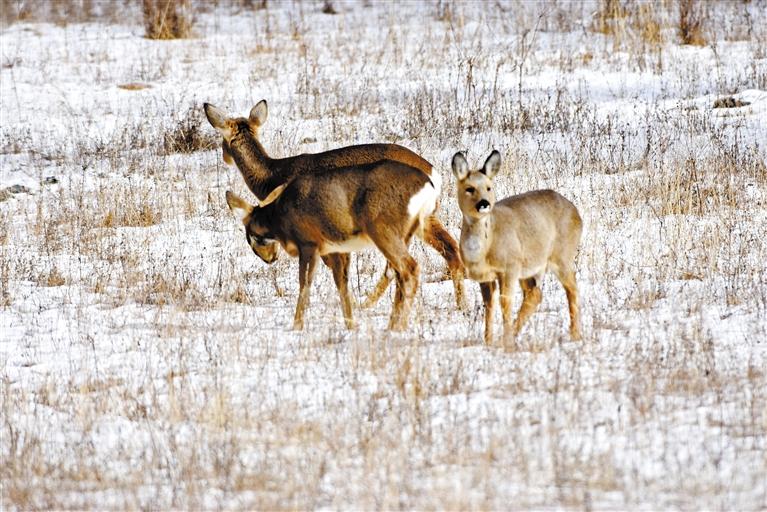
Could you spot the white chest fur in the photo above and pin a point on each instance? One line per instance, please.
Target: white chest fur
(475, 243)
(475, 239)
(471, 248)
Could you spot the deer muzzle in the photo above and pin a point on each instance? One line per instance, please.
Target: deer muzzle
(484, 206)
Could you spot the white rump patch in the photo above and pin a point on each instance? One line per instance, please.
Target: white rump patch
(436, 179)
(423, 203)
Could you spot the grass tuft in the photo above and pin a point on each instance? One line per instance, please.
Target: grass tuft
(692, 16)
(167, 19)
(189, 134)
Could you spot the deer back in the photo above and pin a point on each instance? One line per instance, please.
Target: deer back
(337, 209)
(532, 227)
(262, 173)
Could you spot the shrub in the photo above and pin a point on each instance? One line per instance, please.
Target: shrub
(167, 19)
(691, 17)
(188, 135)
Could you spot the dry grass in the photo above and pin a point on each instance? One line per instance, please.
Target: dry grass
(692, 17)
(190, 133)
(148, 361)
(608, 17)
(63, 12)
(134, 86)
(167, 19)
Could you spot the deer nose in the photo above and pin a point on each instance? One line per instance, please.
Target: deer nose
(483, 206)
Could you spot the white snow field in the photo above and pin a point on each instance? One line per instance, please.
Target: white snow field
(146, 356)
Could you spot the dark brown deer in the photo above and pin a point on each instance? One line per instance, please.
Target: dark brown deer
(330, 214)
(264, 175)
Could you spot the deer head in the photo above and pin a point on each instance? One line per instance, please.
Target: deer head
(476, 197)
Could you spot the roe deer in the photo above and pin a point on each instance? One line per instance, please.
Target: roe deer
(515, 239)
(330, 214)
(264, 175)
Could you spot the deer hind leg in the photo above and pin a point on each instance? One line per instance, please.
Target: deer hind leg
(380, 288)
(532, 297)
(339, 264)
(488, 297)
(307, 263)
(437, 236)
(407, 285)
(566, 276)
(386, 278)
(394, 248)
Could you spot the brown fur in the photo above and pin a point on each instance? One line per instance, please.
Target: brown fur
(318, 213)
(516, 239)
(263, 173)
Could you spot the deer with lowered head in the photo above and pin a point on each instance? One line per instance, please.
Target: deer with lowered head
(330, 214)
(516, 239)
(266, 177)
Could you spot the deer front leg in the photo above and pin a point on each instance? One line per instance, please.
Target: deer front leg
(307, 263)
(506, 289)
(339, 264)
(488, 297)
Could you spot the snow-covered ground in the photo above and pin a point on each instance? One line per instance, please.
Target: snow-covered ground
(146, 359)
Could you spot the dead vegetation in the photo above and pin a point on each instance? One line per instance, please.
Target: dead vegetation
(188, 133)
(147, 366)
(167, 19)
(692, 16)
(63, 12)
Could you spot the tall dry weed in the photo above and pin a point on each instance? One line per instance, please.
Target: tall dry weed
(167, 19)
(691, 20)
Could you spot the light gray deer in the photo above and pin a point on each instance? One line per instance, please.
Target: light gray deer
(265, 175)
(516, 239)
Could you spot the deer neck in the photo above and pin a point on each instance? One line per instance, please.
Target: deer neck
(257, 168)
(476, 241)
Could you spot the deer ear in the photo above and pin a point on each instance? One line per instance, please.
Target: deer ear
(492, 164)
(227, 153)
(216, 116)
(239, 206)
(259, 113)
(460, 166)
(273, 195)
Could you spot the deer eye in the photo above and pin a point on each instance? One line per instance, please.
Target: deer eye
(489, 189)
(257, 239)
(470, 190)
